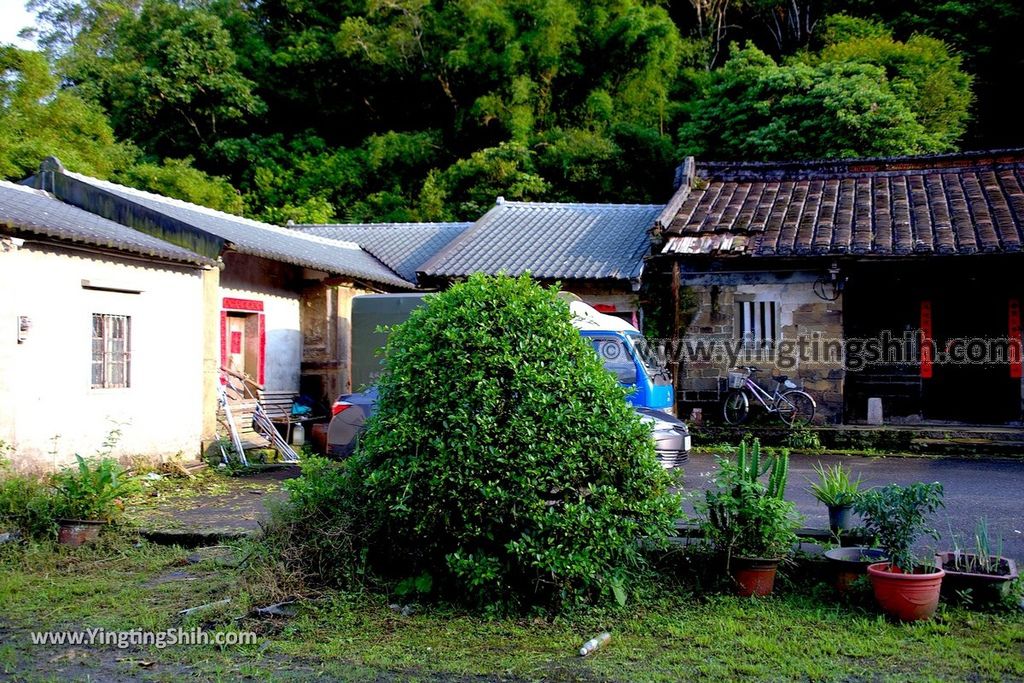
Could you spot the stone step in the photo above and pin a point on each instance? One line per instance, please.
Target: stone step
(921, 439)
(967, 446)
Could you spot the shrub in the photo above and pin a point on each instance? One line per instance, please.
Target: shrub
(26, 502)
(26, 505)
(503, 462)
(317, 534)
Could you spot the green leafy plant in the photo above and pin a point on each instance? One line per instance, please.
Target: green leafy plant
(802, 438)
(503, 459)
(26, 505)
(26, 502)
(91, 489)
(835, 486)
(985, 557)
(743, 516)
(897, 516)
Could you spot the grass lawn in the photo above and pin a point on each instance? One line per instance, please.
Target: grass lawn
(801, 634)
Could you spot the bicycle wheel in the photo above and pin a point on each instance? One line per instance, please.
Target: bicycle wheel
(796, 405)
(736, 407)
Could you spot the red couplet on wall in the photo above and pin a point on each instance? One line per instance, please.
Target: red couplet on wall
(1015, 339)
(926, 340)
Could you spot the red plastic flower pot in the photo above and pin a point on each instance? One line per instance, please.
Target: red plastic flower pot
(754, 575)
(907, 597)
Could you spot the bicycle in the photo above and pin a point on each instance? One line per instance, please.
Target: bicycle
(790, 405)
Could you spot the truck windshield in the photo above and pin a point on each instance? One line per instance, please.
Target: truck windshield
(648, 356)
(616, 356)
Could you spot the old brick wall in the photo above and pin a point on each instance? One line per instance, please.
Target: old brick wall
(807, 348)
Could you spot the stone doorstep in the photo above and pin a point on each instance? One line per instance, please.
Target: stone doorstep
(918, 440)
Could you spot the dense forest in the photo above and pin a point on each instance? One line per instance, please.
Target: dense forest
(394, 110)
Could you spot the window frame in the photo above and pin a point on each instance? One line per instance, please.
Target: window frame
(757, 322)
(106, 356)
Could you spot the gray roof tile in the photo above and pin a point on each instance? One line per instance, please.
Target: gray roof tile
(552, 241)
(403, 247)
(25, 209)
(262, 239)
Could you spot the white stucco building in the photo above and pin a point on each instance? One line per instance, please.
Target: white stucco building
(102, 334)
(179, 291)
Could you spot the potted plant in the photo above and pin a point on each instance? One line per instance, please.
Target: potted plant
(983, 575)
(897, 516)
(88, 496)
(838, 491)
(747, 521)
(850, 563)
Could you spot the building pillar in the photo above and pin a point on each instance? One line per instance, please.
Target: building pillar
(211, 354)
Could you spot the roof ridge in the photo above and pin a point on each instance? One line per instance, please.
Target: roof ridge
(199, 208)
(402, 224)
(42, 214)
(600, 205)
(816, 168)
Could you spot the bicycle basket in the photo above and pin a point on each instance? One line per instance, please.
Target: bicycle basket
(737, 379)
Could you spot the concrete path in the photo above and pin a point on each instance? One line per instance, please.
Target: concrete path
(993, 488)
(213, 509)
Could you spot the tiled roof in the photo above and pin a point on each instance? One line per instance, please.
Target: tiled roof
(261, 239)
(34, 211)
(945, 204)
(403, 247)
(552, 241)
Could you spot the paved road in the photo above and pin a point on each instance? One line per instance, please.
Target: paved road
(973, 488)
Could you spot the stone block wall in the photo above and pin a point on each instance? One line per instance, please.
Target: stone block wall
(808, 346)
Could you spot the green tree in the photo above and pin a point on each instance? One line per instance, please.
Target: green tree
(503, 463)
(863, 96)
(39, 120)
(468, 188)
(177, 178)
(166, 73)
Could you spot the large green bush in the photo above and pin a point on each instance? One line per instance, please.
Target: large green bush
(504, 463)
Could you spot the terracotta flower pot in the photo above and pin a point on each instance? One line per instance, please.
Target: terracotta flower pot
(849, 564)
(75, 532)
(982, 587)
(907, 597)
(754, 575)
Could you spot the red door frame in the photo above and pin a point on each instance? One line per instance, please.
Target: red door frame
(231, 304)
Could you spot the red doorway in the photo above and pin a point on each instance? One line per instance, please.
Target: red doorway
(243, 339)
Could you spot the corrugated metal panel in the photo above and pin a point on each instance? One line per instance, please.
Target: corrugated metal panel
(37, 212)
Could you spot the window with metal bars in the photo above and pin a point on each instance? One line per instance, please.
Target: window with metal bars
(111, 351)
(757, 323)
